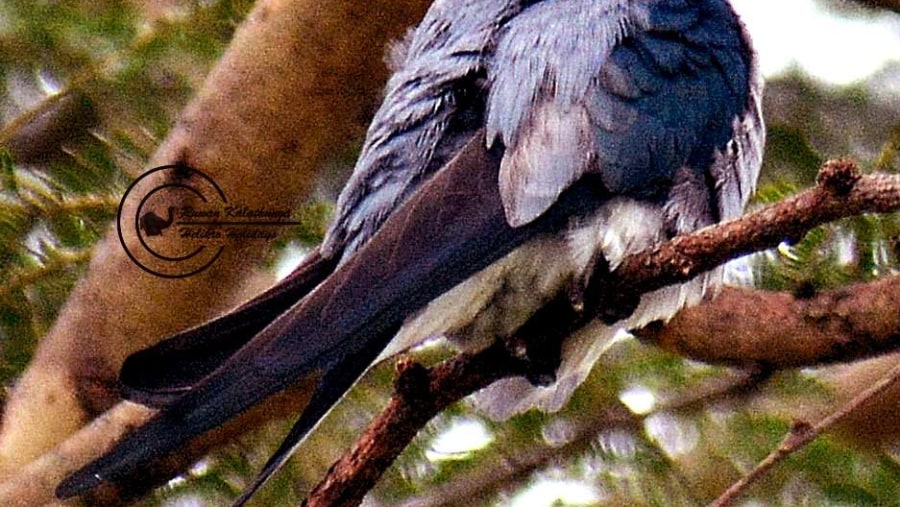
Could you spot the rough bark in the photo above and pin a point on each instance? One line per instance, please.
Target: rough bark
(422, 393)
(779, 330)
(295, 86)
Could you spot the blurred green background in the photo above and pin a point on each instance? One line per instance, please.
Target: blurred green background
(91, 87)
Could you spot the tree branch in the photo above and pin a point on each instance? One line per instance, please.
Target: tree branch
(779, 330)
(488, 479)
(840, 192)
(422, 393)
(801, 434)
(263, 127)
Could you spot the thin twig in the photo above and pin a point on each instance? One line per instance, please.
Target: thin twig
(63, 260)
(841, 192)
(801, 434)
(507, 469)
(839, 195)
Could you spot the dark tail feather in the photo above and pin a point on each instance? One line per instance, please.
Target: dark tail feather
(158, 375)
(331, 388)
(451, 228)
(230, 394)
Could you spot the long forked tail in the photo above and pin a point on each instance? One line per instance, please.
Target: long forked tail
(451, 228)
(160, 374)
(331, 388)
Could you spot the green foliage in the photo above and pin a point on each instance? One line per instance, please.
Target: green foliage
(788, 144)
(116, 76)
(90, 89)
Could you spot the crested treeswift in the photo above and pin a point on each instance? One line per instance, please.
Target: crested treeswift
(520, 143)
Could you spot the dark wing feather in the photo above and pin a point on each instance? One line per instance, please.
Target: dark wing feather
(330, 389)
(160, 374)
(451, 228)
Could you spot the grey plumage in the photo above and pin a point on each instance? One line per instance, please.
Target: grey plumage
(433, 105)
(670, 118)
(546, 91)
(611, 125)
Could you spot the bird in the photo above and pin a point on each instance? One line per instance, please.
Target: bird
(154, 225)
(520, 144)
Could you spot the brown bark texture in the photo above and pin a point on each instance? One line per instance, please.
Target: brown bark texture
(295, 86)
(779, 330)
(422, 393)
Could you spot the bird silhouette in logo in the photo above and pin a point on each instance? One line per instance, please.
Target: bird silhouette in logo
(154, 225)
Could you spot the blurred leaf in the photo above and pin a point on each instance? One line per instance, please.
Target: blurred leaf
(130, 67)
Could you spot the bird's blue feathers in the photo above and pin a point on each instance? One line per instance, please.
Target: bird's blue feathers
(655, 76)
(661, 83)
(653, 104)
